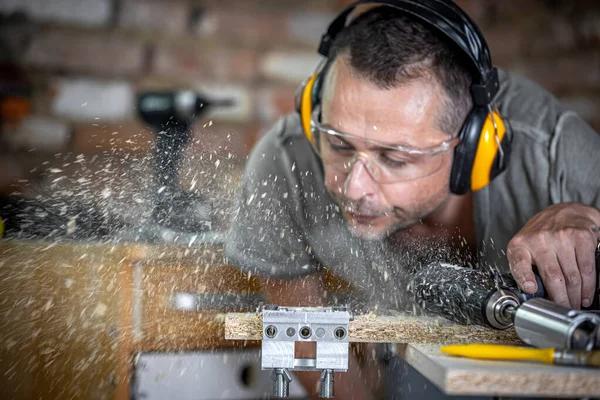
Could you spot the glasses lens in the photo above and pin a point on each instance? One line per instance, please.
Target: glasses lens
(385, 165)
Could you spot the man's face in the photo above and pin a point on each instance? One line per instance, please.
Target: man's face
(404, 115)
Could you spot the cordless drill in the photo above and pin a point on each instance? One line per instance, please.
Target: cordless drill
(171, 114)
(470, 296)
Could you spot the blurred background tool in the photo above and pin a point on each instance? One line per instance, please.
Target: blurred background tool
(177, 215)
(172, 114)
(515, 353)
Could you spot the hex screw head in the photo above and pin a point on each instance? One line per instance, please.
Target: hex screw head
(305, 332)
(270, 331)
(339, 333)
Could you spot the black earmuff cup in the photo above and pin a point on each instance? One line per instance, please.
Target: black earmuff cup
(464, 153)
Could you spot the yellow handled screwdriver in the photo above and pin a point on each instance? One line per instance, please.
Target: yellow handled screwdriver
(516, 353)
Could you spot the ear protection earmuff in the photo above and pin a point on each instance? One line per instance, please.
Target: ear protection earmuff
(484, 148)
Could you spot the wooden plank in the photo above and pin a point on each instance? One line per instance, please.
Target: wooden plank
(73, 315)
(164, 328)
(202, 255)
(124, 334)
(18, 344)
(60, 324)
(386, 329)
(166, 270)
(461, 376)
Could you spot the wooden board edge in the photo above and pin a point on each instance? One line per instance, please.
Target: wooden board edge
(373, 329)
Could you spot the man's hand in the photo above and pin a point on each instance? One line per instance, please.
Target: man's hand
(560, 241)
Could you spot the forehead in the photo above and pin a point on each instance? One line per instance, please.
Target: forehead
(405, 114)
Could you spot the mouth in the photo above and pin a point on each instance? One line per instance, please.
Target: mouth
(362, 219)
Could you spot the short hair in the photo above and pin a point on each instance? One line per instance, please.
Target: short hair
(389, 48)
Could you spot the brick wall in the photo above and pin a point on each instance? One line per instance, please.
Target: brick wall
(86, 59)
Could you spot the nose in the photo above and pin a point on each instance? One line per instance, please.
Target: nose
(359, 182)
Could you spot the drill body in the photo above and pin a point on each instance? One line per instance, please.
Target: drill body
(471, 296)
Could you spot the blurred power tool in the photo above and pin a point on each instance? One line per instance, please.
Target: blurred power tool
(172, 114)
(51, 219)
(470, 296)
(177, 215)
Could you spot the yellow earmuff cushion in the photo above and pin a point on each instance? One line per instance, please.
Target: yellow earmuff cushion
(306, 108)
(486, 151)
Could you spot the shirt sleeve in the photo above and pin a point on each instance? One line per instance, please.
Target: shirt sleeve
(575, 162)
(265, 234)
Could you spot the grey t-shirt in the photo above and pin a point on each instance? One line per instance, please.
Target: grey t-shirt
(285, 224)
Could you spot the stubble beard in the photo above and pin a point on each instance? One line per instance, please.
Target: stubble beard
(404, 219)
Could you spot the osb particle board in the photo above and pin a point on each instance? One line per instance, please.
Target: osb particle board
(453, 376)
(461, 376)
(386, 329)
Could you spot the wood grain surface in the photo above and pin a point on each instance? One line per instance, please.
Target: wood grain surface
(386, 329)
(73, 315)
(461, 376)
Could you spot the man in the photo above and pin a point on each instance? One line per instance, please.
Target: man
(369, 213)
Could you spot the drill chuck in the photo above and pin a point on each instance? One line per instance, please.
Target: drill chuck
(500, 308)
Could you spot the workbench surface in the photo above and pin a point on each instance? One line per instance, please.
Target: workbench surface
(461, 376)
(452, 375)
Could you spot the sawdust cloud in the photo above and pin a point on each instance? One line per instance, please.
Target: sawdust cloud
(107, 200)
(60, 305)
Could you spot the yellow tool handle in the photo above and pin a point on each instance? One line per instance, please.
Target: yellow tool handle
(499, 352)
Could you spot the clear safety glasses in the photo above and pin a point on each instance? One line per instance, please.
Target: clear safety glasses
(385, 163)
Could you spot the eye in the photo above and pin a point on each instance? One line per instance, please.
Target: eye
(394, 158)
(338, 144)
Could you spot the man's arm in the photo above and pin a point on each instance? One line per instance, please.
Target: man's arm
(560, 240)
(266, 234)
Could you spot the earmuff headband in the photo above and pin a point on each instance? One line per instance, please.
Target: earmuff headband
(449, 20)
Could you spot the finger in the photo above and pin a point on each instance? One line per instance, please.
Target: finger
(570, 270)
(552, 276)
(585, 247)
(520, 262)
